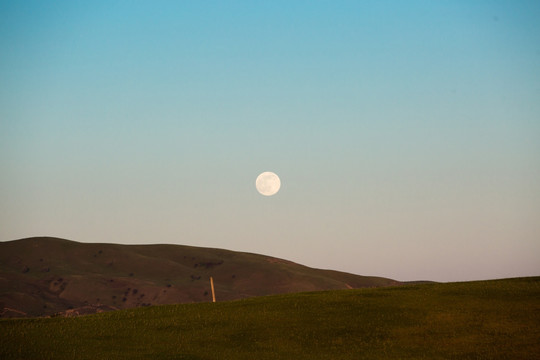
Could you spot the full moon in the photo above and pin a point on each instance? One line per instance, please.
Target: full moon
(267, 183)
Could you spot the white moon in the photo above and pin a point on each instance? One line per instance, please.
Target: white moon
(267, 183)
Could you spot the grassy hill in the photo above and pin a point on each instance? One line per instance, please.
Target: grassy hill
(475, 320)
(45, 276)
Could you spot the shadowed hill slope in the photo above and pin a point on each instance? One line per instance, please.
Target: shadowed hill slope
(44, 276)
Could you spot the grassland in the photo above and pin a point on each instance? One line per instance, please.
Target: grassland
(497, 319)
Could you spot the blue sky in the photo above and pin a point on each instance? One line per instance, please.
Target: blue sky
(406, 134)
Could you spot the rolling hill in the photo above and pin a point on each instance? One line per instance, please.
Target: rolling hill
(44, 276)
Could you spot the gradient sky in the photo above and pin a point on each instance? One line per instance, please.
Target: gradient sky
(406, 133)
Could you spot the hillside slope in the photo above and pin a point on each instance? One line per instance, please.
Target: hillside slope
(44, 276)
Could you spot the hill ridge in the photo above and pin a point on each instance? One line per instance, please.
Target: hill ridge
(42, 276)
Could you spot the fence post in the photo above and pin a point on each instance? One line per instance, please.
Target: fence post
(213, 293)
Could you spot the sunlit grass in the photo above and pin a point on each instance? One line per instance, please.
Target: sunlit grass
(476, 320)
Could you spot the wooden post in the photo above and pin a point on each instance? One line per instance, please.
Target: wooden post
(213, 293)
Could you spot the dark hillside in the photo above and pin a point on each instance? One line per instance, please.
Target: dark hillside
(45, 276)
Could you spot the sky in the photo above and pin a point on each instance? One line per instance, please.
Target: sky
(406, 134)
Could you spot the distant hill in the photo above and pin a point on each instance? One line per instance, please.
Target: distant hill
(45, 276)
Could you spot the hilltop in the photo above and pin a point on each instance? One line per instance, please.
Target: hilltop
(44, 276)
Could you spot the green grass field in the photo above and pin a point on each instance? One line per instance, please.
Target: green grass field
(497, 319)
